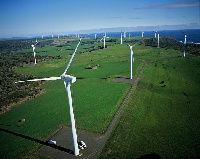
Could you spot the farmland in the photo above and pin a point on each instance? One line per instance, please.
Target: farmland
(161, 115)
(161, 119)
(96, 99)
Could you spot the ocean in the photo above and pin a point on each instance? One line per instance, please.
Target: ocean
(193, 35)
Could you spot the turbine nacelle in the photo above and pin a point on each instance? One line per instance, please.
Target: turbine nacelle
(68, 78)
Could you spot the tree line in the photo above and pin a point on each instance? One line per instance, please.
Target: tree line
(171, 43)
(8, 46)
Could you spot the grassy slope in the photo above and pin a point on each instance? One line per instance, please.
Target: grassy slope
(161, 120)
(60, 47)
(94, 99)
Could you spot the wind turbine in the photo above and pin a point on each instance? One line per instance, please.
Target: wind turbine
(124, 34)
(121, 37)
(104, 42)
(184, 43)
(142, 34)
(52, 36)
(158, 46)
(155, 33)
(34, 53)
(95, 36)
(67, 79)
(158, 40)
(131, 56)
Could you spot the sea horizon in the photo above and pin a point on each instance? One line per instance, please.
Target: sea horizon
(193, 35)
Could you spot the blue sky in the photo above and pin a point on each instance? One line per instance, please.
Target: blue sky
(25, 17)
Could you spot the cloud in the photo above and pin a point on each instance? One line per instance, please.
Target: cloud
(176, 5)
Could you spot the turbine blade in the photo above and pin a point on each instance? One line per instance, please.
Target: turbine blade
(182, 32)
(125, 44)
(138, 42)
(41, 79)
(71, 58)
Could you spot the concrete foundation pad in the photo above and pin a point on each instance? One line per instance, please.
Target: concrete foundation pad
(64, 146)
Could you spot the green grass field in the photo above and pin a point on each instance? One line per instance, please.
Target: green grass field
(160, 120)
(66, 46)
(96, 99)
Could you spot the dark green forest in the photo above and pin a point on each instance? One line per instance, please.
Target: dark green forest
(9, 46)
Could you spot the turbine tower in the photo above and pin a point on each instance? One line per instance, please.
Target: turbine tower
(52, 36)
(142, 34)
(124, 34)
(121, 37)
(104, 42)
(131, 56)
(95, 36)
(34, 53)
(131, 60)
(67, 80)
(184, 45)
(158, 40)
(155, 33)
(184, 42)
(158, 46)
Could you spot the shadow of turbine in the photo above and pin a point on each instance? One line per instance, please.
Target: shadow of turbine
(38, 141)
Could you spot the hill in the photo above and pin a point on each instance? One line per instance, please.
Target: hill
(171, 43)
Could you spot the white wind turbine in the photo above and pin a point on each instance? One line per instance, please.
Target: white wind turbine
(95, 36)
(184, 43)
(158, 46)
(158, 40)
(124, 34)
(155, 33)
(121, 37)
(142, 34)
(67, 79)
(104, 42)
(131, 56)
(34, 53)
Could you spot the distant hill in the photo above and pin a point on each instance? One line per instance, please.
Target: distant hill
(8, 46)
(171, 43)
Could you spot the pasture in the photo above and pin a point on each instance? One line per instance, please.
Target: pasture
(96, 99)
(161, 119)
